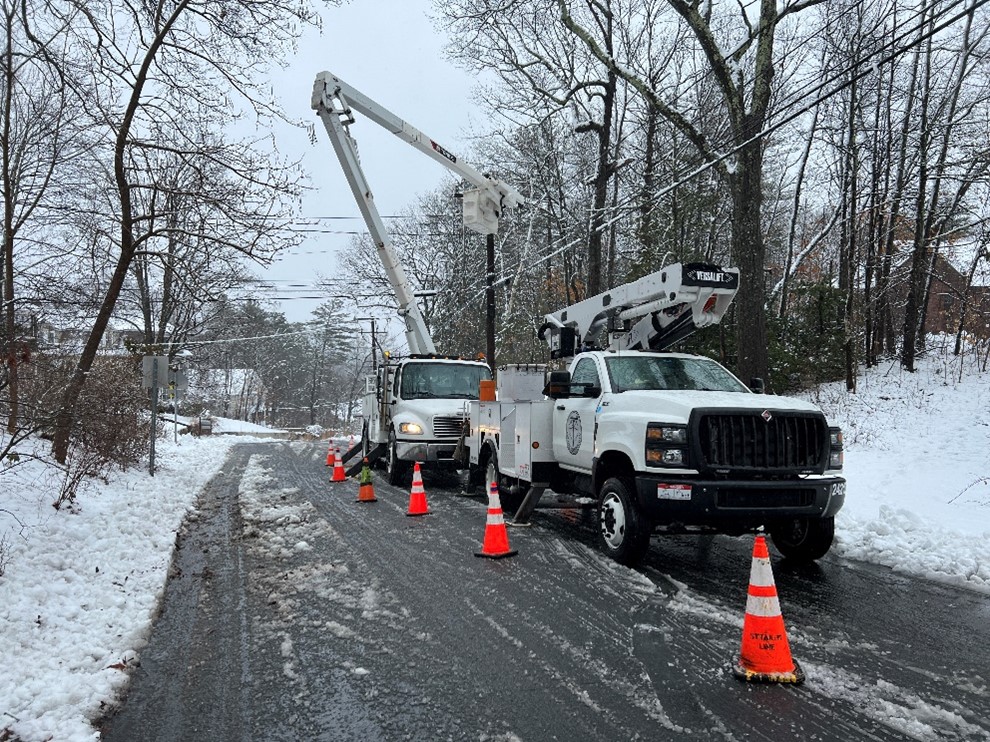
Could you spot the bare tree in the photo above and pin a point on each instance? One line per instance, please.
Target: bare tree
(744, 73)
(32, 144)
(190, 66)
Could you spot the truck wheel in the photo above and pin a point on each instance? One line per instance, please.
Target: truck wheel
(803, 539)
(623, 533)
(510, 502)
(395, 468)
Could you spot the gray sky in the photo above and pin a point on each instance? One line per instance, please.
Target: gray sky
(390, 51)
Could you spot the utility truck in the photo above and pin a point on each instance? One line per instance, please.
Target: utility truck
(662, 441)
(415, 406)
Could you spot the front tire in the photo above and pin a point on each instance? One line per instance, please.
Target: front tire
(803, 539)
(623, 532)
(395, 468)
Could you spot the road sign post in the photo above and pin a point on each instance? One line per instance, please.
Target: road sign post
(154, 376)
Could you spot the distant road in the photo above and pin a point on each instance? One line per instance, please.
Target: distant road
(295, 613)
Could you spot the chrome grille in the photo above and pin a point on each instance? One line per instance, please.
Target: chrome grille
(447, 427)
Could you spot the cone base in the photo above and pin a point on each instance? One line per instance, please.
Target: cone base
(366, 500)
(498, 555)
(750, 676)
(425, 512)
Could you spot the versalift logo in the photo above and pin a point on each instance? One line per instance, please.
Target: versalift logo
(437, 148)
(709, 275)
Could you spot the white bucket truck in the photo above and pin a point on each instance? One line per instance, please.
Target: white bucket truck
(415, 407)
(662, 441)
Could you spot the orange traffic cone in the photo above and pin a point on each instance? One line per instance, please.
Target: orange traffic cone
(417, 497)
(330, 454)
(366, 490)
(339, 475)
(496, 543)
(766, 654)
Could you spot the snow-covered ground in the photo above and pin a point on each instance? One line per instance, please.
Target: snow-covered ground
(80, 586)
(918, 467)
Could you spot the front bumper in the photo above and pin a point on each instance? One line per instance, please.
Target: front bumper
(742, 503)
(426, 451)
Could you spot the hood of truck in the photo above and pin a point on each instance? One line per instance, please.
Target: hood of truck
(676, 406)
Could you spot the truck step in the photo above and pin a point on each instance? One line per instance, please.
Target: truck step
(373, 455)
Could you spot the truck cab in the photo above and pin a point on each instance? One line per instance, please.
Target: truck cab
(674, 441)
(416, 408)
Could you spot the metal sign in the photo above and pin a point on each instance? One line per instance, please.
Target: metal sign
(154, 372)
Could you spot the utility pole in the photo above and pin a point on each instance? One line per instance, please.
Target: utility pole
(490, 302)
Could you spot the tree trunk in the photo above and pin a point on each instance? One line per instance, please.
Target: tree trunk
(749, 254)
(919, 255)
(596, 238)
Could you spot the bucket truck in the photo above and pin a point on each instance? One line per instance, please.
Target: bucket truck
(662, 441)
(415, 407)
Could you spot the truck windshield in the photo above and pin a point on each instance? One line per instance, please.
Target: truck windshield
(656, 372)
(442, 380)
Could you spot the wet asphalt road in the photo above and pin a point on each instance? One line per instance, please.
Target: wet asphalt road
(295, 613)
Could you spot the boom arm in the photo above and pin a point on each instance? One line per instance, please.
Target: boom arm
(651, 313)
(334, 101)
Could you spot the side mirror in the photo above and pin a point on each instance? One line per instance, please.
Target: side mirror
(756, 385)
(558, 385)
(592, 391)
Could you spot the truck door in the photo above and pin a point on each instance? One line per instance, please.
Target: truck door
(574, 419)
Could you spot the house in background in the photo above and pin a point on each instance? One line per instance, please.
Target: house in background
(951, 292)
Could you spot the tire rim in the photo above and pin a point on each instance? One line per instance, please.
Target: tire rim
(613, 521)
(796, 532)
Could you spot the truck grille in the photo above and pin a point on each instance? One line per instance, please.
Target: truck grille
(744, 440)
(447, 427)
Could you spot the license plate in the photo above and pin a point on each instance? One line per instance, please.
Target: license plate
(674, 491)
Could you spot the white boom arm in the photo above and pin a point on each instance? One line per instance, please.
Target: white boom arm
(651, 313)
(334, 101)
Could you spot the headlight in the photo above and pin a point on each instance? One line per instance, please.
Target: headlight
(666, 445)
(668, 457)
(835, 455)
(410, 428)
(656, 433)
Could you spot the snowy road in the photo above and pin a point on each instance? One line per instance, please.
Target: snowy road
(296, 613)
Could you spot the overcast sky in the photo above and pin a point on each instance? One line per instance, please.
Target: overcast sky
(390, 51)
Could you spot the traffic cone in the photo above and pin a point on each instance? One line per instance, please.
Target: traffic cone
(366, 490)
(496, 543)
(417, 496)
(330, 454)
(766, 654)
(339, 475)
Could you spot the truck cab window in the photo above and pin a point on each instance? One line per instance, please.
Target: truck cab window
(586, 374)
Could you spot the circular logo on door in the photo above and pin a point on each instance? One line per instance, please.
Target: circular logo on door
(574, 432)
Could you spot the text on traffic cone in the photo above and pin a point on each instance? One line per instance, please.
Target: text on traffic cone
(496, 543)
(766, 653)
(339, 475)
(366, 490)
(417, 497)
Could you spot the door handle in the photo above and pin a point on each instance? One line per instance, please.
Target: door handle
(561, 407)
